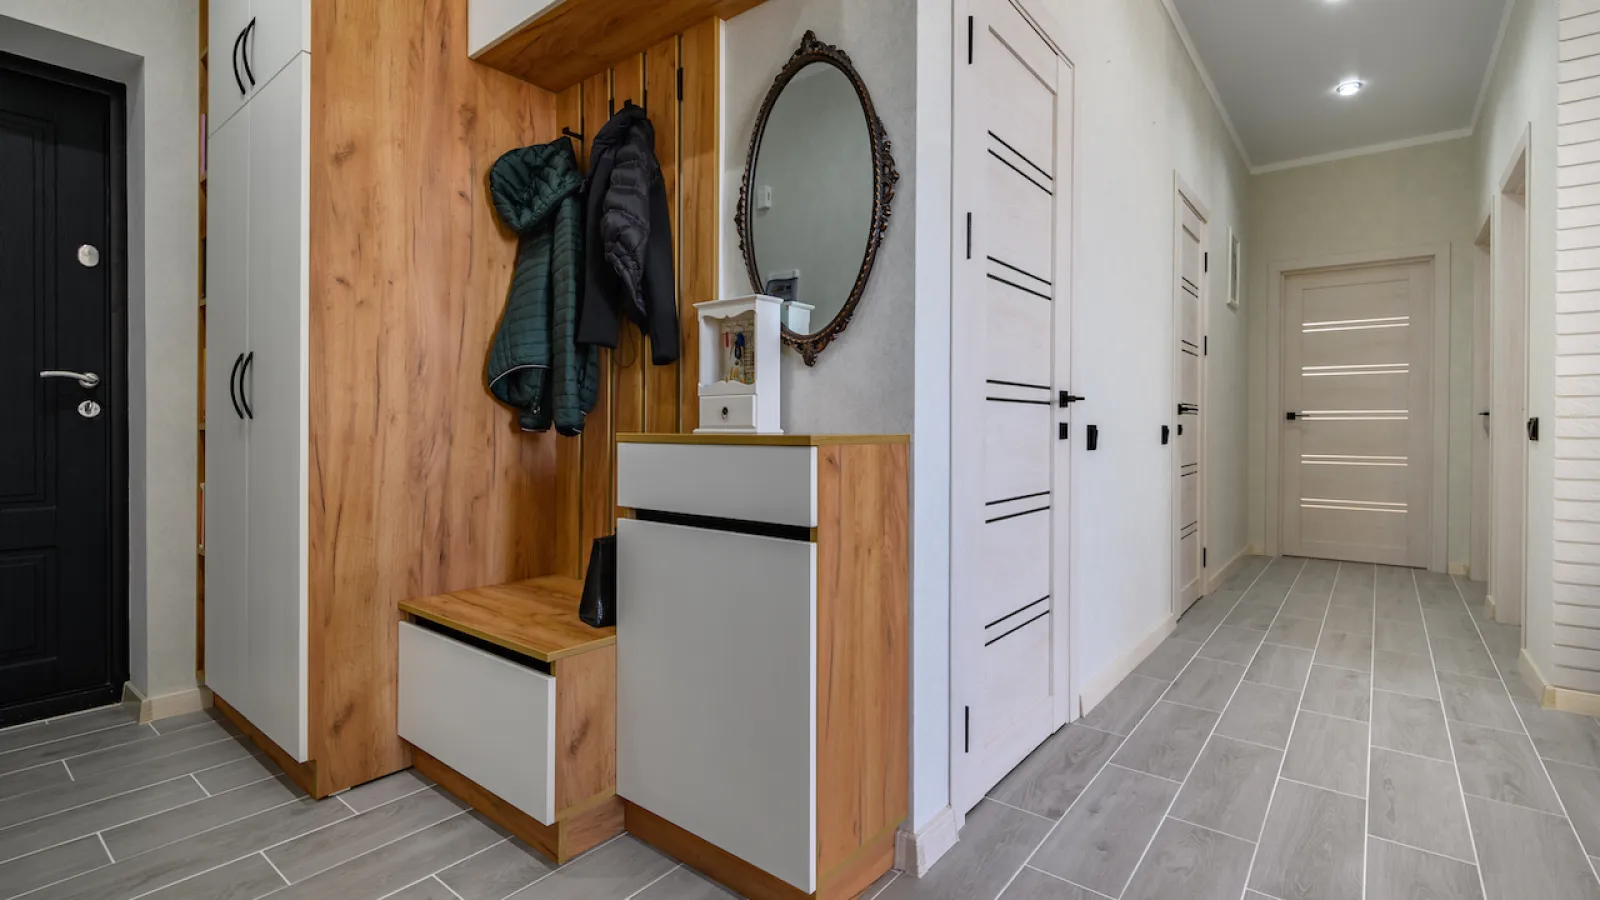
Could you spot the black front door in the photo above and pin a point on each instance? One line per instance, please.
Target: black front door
(63, 571)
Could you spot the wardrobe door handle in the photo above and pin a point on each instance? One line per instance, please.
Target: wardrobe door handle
(233, 379)
(249, 35)
(236, 79)
(249, 358)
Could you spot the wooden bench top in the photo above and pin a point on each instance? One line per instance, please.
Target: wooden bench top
(537, 617)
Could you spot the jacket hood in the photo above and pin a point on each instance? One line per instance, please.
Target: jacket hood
(620, 127)
(529, 183)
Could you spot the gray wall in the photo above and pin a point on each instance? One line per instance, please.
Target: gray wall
(152, 47)
(862, 383)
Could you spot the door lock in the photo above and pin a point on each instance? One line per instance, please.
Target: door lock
(1067, 399)
(1293, 416)
(89, 409)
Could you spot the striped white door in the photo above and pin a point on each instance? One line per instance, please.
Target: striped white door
(1009, 365)
(1189, 270)
(1357, 427)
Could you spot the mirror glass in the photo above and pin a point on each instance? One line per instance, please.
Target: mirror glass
(811, 200)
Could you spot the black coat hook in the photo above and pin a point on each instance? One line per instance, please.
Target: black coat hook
(572, 134)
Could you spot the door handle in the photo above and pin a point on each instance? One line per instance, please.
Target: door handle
(1067, 399)
(1293, 416)
(1166, 435)
(233, 380)
(86, 380)
(1094, 437)
(1485, 414)
(248, 359)
(1533, 428)
(249, 36)
(236, 79)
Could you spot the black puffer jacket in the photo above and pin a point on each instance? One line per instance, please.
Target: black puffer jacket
(628, 248)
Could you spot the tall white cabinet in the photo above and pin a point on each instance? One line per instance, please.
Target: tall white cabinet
(257, 259)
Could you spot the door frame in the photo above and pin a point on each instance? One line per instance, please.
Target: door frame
(1508, 539)
(1183, 193)
(1064, 615)
(1277, 276)
(116, 384)
(1479, 554)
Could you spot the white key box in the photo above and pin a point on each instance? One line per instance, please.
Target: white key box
(740, 375)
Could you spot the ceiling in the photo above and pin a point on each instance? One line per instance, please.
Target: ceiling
(1273, 65)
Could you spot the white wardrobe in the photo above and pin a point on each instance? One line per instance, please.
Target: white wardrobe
(257, 340)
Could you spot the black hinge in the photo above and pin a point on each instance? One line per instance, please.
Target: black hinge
(1205, 345)
(1064, 431)
(680, 84)
(613, 106)
(1202, 557)
(969, 235)
(644, 100)
(969, 40)
(1207, 266)
(966, 729)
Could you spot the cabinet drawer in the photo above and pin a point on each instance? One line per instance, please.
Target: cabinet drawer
(737, 411)
(487, 717)
(776, 485)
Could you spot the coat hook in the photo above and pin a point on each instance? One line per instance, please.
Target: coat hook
(571, 134)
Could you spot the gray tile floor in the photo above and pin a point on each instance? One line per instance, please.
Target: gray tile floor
(1315, 731)
(94, 805)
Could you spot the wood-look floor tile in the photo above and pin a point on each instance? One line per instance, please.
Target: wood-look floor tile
(497, 872)
(1305, 606)
(36, 733)
(1098, 844)
(1410, 725)
(1032, 884)
(1127, 703)
(246, 879)
(1579, 787)
(1403, 873)
(1255, 616)
(143, 752)
(995, 842)
(1355, 598)
(1206, 683)
(1057, 772)
(1404, 673)
(55, 797)
(1524, 854)
(1397, 609)
(1338, 692)
(238, 773)
(1294, 631)
(56, 864)
(1417, 802)
(1463, 658)
(63, 748)
(1185, 861)
(1401, 637)
(390, 787)
(427, 889)
(1346, 651)
(175, 825)
(1280, 667)
(1260, 714)
(1231, 644)
(303, 857)
(1454, 624)
(97, 816)
(1349, 620)
(1167, 741)
(1312, 845)
(1168, 659)
(1562, 736)
(191, 719)
(1477, 701)
(1328, 752)
(684, 883)
(1203, 618)
(1230, 787)
(49, 776)
(1502, 765)
(394, 865)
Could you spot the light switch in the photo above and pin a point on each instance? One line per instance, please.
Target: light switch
(764, 197)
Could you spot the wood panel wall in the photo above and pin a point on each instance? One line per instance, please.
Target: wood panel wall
(420, 482)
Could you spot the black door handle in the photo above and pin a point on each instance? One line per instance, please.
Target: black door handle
(249, 41)
(236, 79)
(1485, 414)
(1533, 428)
(1188, 409)
(232, 380)
(1067, 399)
(1166, 434)
(1292, 416)
(249, 358)
(1094, 437)
(1063, 430)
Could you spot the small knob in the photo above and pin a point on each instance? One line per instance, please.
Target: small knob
(724, 412)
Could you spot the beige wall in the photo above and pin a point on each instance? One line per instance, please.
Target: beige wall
(1394, 202)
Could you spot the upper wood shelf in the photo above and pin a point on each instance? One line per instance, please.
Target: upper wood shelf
(579, 38)
(537, 617)
(765, 440)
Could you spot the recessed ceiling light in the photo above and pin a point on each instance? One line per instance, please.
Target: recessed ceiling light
(1348, 88)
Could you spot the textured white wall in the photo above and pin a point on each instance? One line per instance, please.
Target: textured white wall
(1401, 200)
(1522, 100)
(152, 47)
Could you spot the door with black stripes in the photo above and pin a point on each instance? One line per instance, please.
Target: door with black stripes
(1010, 393)
(1189, 269)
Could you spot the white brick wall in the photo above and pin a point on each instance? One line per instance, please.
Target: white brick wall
(1576, 654)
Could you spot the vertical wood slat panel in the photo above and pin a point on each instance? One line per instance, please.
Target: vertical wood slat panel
(569, 550)
(701, 170)
(632, 356)
(661, 90)
(598, 434)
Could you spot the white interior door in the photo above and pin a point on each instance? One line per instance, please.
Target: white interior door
(1357, 432)
(1009, 365)
(1188, 291)
(1508, 529)
(276, 389)
(1482, 446)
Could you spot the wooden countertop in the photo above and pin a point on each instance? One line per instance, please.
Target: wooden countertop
(537, 617)
(765, 440)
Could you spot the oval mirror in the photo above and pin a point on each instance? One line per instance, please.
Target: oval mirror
(814, 204)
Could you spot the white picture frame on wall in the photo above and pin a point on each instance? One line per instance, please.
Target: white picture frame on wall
(1235, 271)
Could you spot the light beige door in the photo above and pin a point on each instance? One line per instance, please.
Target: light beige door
(1187, 293)
(1357, 428)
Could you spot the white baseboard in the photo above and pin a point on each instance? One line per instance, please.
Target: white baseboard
(1488, 606)
(1462, 569)
(149, 709)
(915, 852)
(1213, 582)
(1583, 703)
(1098, 687)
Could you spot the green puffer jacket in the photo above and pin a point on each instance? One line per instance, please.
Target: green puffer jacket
(535, 364)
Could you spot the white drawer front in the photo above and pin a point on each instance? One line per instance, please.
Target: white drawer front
(486, 717)
(758, 484)
(728, 412)
(716, 689)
